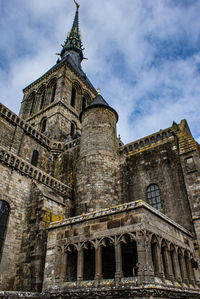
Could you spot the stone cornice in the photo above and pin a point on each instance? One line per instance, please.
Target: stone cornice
(119, 209)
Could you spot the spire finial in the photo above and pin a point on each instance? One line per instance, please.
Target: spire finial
(77, 5)
(98, 91)
(73, 41)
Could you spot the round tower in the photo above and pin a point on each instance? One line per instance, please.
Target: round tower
(96, 167)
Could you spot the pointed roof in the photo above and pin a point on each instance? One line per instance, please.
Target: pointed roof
(99, 102)
(73, 41)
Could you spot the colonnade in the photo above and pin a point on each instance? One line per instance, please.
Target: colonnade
(126, 256)
(172, 262)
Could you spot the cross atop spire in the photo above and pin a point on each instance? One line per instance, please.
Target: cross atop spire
(73, 41)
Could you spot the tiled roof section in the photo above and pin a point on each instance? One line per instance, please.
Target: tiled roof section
(99, 100)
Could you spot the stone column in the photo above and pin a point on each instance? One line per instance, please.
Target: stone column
(184, 271)
(177, 267)
(170, 274)
(190, 270)
(80, 265)
(98, 265)
(118, 263)
(64, 266)
(145, 270)
(160, 262)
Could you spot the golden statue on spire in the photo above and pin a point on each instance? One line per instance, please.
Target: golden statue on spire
(77, 5)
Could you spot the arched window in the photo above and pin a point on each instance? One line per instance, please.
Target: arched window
(34, 159)
(32, 101)
(42, 99)
(83, 103)
(43, 124)
(73, 129)
(73, 97)
(153, 196)
(53, 92)
(4, 213)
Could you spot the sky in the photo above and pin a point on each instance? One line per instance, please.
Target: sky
(143, 54)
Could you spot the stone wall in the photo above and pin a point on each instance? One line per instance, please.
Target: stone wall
(191, 168)
(33, 206)
(158, 165)
(14, 189)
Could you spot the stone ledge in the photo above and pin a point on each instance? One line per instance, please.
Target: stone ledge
(146, 290)
(118, 209)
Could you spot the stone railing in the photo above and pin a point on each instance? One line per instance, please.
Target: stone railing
(28, 129)
(31, 171)
(146, 142)
(62, 146)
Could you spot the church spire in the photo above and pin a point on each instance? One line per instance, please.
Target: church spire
(73, 42)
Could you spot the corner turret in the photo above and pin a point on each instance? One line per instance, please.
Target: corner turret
(96, 182)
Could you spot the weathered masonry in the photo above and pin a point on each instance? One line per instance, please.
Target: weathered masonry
(83, 215)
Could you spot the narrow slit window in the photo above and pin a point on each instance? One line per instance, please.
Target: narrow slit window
(43, 125)
(73, 97)
(53, 93)
(34, 159)
(42, 99)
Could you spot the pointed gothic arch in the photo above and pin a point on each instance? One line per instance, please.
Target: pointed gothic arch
(31, 101)
(76, 90)
(51, 91)
(41, 97)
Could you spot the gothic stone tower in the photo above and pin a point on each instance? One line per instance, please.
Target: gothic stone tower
(53, 102)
